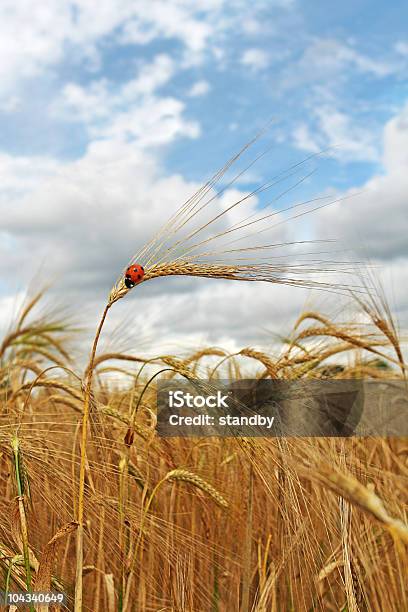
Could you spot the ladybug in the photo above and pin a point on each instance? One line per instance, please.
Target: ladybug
(134, 274)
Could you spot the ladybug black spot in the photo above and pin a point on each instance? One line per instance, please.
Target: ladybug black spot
(139, 276)
(128, 282)
(142, 268)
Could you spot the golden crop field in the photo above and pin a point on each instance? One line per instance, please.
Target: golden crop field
(203, 306)
(188, 524)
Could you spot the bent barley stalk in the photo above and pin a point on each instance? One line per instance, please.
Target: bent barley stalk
(178, 249)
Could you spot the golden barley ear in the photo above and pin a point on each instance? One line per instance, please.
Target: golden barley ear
(197, 481)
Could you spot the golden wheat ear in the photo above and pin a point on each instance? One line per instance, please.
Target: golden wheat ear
(209, 238)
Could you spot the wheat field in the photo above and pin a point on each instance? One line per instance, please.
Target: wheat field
(226, 525)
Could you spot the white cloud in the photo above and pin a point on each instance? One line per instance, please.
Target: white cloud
(156, 122)
(151, 77)
(33, 42)
(200, 88)
(328, 60)
(171, 20)
(332, 128)
(304, 139)
(252, 26)
(324, 75)
(396, 142)
(222, 313)
(401, 47)
(376, 219)
(9, 306)
(89, 216)
(131, 111)
(78, 103)
(18, 175)
(255, 59)
(100, 98)
(10, 104)
(27, 43)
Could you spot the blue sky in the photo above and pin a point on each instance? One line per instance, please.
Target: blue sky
(109, 108)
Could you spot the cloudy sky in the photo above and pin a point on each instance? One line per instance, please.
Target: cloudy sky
(113, 113)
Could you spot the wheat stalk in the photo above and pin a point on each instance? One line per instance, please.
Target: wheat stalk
(351, 489)
(21, 480)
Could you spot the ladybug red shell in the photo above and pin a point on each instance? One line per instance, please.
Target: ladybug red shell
(134, 274)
